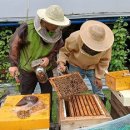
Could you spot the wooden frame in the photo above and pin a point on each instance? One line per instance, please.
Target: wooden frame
(71, 90)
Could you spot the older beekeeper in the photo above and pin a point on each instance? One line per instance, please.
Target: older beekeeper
(88, 51)
(38, 38)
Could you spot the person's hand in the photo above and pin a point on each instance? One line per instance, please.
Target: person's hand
(98, 83)
(45, 62)
(13, 71)
(61, 67)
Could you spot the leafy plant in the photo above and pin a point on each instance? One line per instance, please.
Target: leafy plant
(119, 49)
(5, 35)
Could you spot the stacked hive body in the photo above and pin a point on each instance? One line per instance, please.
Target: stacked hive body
(123, 97)
(10, 121)
(76, 110)
(117, 108)
(119, 83)
(118, 80)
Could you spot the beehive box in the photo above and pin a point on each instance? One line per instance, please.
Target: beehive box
(75, 110)
(123, 97)
(82, 111)
(10, 121)
(117, 109)
(118, 80)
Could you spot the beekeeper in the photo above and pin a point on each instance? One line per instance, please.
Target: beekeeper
(38, 38)
(88, 51)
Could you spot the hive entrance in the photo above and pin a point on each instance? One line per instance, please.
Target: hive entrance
(68, 85)
(82, 105)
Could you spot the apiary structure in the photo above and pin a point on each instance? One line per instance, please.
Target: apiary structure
(77, 110)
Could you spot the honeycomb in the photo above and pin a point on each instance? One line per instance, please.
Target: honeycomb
(68, 85)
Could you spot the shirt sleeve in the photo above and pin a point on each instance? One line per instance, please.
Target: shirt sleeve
(17, 40)
(103, 64)
(67, 49)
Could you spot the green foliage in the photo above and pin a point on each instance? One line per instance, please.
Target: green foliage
(119, 49)
(5, 35)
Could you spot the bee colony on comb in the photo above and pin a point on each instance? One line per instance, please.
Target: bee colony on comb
(77, 110)
(68, 85)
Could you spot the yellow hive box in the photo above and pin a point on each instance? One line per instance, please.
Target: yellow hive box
(118, 80)
(10, 121)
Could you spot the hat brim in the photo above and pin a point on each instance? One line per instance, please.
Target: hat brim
(42, 15)
(103, 45)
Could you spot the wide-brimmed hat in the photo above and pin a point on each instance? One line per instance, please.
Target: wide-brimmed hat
(96, 35)
(54, 15)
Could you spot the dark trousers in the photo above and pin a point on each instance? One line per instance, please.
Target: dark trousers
(28, 81)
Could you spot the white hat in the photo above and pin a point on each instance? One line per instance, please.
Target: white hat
(54, 15)
(96, 35)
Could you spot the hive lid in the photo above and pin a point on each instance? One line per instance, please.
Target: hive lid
(125, 93)
(38, 120)
(68, 85)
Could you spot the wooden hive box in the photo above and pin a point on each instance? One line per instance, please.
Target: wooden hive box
(118, 80)
(82, 111)
(123, 97)
(10, 121)
(117, 109)
(75, 110)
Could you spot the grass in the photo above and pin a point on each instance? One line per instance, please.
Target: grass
(55, 108)
(55, 104)
(108, 95)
